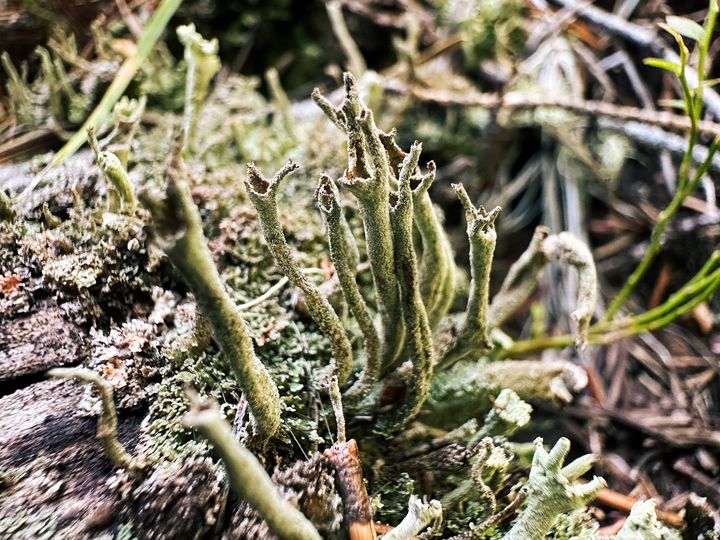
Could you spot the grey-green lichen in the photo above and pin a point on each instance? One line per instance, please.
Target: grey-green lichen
(108, 422)
(262, 193)
(473, 335)
(551, 491)
(438, 274)
(414, 280)
(508, 414)
(368, 176)
(247, 476)
(343, 253)
(179, 230)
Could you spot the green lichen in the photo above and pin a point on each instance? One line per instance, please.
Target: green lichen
(178, 226)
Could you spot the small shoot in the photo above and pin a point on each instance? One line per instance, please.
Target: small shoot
(18, 92)
(7, 210)
(565, 248)
(336, 400)
(524, 276)
(693, 98)
(356, 62)
(107, 430)
(281, 102)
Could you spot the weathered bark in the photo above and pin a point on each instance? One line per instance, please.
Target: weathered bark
(54, 472)
(37, 342)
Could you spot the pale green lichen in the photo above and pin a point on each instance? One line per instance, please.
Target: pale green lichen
(247, 476)
(179, 231)
(123, 197)
(262, 193)
(508, 414)
(126, 115)
(202, 65)
(438, 274)
(465, 390)
(421, 514)
(551, 492)
(108, 422)
(643, 524)
(524, 275)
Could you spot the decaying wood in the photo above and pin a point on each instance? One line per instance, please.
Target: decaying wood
(40, 341)
(54, 472)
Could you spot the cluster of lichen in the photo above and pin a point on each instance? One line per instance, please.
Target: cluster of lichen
(383, 329)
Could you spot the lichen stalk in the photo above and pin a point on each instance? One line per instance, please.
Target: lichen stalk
(437, 267)
(368, 177)
(178, 229)
(521, 280)
(108, 422)
(248, 477)
(472, 336)
(550, 493)
(281, 101)
(126, 114)
(356, 62)
(262, 193)
(420, 515)
(372, 190)
(413, 311)
(342, 256)
(202, 65)
(508, 414)
(7, 211)
(467, 388)
(524, 275)
(114, 170)
(568, 249)
(643, 524)
(337, 405)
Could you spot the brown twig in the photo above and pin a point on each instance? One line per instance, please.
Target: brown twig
(614, 499)
(345, 458)
(514, 101)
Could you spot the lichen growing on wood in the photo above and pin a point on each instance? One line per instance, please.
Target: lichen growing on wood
(267, 324)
